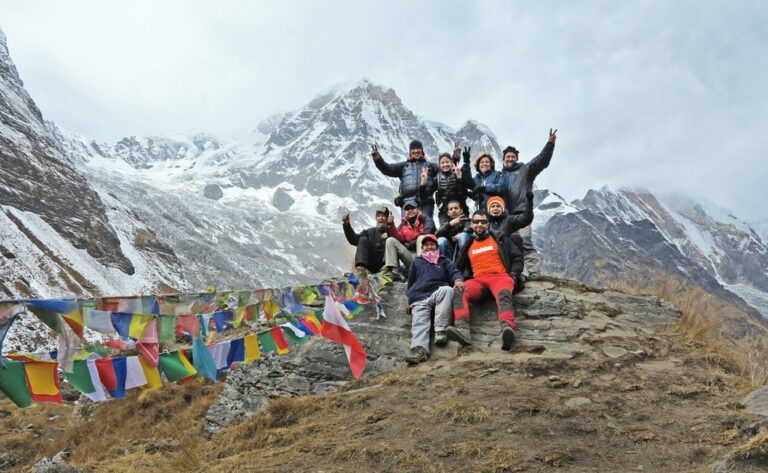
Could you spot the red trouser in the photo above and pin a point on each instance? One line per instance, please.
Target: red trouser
(500, 285)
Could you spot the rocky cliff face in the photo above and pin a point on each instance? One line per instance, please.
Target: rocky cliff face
(35, 177)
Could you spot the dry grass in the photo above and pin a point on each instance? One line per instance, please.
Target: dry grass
(462, 413)
(756, 448)
(721, 331)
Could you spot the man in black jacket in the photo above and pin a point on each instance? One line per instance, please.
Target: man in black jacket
(370, 243)
(454, 233)
(520, 177)
(410, 174)
(486, 262)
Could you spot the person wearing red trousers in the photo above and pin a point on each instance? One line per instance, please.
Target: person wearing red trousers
(485, 263)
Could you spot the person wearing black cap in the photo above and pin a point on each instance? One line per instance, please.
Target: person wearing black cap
(370, 243)
(410, 173)
(430, 282)
(407, 238)
(520, 177)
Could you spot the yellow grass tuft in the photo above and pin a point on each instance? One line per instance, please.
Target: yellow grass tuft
(462, 413)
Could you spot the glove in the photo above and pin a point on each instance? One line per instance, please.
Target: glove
(466, 153)
(529, 194)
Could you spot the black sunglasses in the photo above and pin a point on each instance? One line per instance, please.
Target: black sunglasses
(480, 221)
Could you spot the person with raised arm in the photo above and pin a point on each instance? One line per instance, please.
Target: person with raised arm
(410, 173)
(370, 243)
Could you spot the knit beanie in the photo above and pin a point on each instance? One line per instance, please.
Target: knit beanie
(494, 199)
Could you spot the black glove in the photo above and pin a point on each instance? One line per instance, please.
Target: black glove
(529, 194)
(479, 190)
(466, 153)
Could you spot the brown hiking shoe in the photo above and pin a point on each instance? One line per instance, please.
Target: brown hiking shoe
(459, 332)
(441, 339)
(507, 337)
(416, 356)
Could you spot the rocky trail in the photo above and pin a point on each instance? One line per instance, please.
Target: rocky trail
(597, 381)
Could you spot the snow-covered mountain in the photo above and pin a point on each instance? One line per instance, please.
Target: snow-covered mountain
(263, 209)
(609, 232)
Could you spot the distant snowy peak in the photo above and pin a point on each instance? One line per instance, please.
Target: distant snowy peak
(731, 250)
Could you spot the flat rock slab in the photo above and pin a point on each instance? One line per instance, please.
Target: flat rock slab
(578, 402)
(756, 402)
(662, 366)
(612, 351)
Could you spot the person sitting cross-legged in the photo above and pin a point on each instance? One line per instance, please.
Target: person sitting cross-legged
(405, 244)
(429, 288)
(486, 262)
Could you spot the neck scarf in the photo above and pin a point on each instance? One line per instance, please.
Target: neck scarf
(431, 256)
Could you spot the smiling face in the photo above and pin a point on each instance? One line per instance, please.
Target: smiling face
(446, 164)
(495, 209)
(381, 219)
(510, 158)
(416, 153)
(479, 223)
(485, 164)
(428, 245)
(411, 212)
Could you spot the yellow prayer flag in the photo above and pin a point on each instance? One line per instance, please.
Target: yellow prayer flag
(251, 348)
(152, 374)
(186, 363)
(239, 316)
(139, 324)
(271, 308)
(42, 379)
(313, 318)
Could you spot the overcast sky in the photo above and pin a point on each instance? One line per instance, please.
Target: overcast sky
(667, 95)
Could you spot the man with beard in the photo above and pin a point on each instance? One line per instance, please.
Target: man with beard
(519, 180)
(486, 263)
(370, 243)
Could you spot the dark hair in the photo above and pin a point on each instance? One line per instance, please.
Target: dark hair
(510, 149)
(444, 155)
(415, 144)
(454, 201)
(480, 212)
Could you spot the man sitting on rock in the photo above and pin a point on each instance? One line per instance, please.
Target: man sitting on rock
(429, 288)
(404, 246)
(486, 262)
(370, 243)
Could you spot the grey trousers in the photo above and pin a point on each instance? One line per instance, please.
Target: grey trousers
(530, 255)
(394, 252)
(421, 316)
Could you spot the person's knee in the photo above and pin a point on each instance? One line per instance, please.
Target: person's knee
(391, 243)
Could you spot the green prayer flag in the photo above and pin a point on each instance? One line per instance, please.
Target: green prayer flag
(293, 337)
(319, 315)
(175, 366)
(80, 377)
(13, 383)
(267, 342)
(166, 328)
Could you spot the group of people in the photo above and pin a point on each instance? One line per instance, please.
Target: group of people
(458, 262)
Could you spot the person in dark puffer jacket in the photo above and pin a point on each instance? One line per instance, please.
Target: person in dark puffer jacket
(520, 178)
(451, 183)
(487, 182)
(429, 288)
(410, 173)
(370, 243)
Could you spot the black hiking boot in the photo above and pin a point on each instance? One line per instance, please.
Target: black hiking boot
(507, 337)
(416, 356)
(459, 332)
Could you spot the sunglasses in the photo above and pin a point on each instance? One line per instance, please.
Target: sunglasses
(484, 222)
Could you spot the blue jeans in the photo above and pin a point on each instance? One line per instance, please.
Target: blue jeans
(448, 248)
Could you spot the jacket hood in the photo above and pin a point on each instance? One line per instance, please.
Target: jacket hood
(481, 156)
